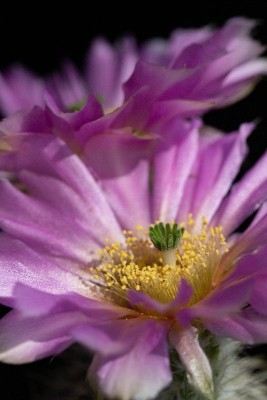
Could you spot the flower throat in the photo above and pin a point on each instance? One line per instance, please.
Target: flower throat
(154, 262)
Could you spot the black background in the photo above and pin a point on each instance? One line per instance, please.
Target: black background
(41, 38)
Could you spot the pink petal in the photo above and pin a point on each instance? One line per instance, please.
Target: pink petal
(247, 267)
(247, 327)
(143, 300)
(32, 302)
(140, 373)
(245, 197)
(164, 52)
(43, 227)
(259, 296)
(253, 239)
(21, 264)
(155, 77)
(56, 158)
(120, 164)
(28, 339)
(163, 111)
(108, 68)
(91, 111)
(68, 88)
(221, 302)
(207, 186)
(245, 71)
(110, 338)
(262, 212)
(174, 156)
(20, 89)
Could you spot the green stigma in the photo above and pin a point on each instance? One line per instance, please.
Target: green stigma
(165, 237)
(77, 106)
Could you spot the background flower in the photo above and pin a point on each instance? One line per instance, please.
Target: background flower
(195, 69)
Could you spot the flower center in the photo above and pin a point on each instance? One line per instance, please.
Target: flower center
(156, 270)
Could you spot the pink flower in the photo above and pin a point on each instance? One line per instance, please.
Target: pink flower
(212, 67)
(196, 70)
(77, 266)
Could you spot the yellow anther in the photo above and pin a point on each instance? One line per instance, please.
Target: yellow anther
(137, 265)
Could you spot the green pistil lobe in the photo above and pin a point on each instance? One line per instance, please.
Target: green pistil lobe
(165, 237)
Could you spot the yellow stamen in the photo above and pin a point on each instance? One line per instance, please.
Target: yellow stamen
(138, 265)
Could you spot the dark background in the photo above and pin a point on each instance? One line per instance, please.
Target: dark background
(41, 38)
